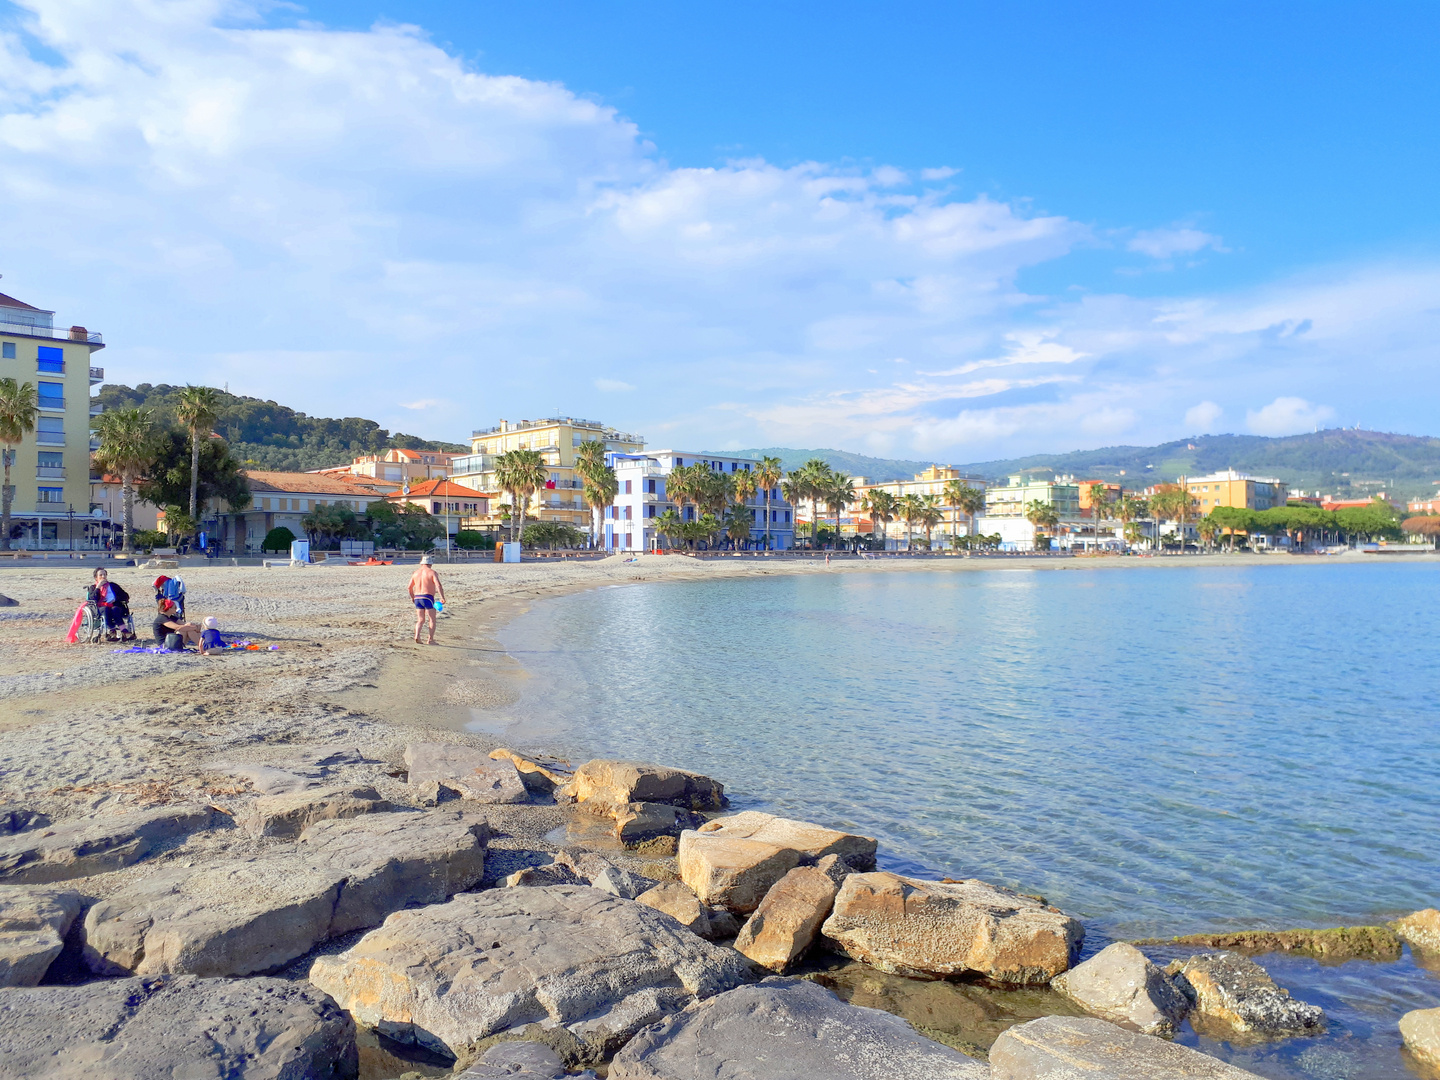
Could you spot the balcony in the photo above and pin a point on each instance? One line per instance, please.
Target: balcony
(74, 333)
(97, 374)
(49, 472)
(96, 409)
(53, 404)
(55, 438)
(54, 367)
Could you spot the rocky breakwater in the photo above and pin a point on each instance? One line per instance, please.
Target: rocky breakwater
(1232, 997)
(642, 802)
(1076, 1047)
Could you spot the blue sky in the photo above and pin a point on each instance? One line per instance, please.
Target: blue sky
(954, 231)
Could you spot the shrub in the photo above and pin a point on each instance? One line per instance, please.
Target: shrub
(470, 540)
(278, 539)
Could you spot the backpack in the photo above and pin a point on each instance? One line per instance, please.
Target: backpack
(174, 643)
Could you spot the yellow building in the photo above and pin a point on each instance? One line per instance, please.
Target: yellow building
(931, 481)
(1231, 488)
(1011, 500)
(557, 440)
(51, 507)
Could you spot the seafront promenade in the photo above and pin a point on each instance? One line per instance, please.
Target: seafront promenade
(255, 816)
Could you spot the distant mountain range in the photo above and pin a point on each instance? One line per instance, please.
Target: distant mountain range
(1339, 461)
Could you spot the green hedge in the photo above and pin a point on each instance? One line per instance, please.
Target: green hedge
(278, 539)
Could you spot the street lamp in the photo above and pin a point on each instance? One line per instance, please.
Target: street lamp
(72, 528)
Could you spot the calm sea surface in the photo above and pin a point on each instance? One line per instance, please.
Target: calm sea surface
(1159, 750)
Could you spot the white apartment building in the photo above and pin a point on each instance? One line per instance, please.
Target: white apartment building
(629, 524)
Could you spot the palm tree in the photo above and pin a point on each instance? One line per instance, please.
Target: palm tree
(1042, 515)
(930, 515)
(880, 505)
(1100, 504)
(742, 486)
(737, 522)
(127, 448)
(198, 409)
(966, 500)
(796, 489)
(1127, 509)
(682, 485)
(839, 492)
(520, 473)
(715, 491)
(767, 475)
(1208, 528)
(671, 525)
(598, 483)
(909, 507)
(19, 406)
(1175, 502)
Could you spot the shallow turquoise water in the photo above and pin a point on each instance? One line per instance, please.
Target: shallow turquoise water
(1160, 751)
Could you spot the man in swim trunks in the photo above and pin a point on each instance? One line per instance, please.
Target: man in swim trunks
(424, 587)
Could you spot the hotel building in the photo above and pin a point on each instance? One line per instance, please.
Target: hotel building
(1231, 488)
(50, 473)
(629, 525)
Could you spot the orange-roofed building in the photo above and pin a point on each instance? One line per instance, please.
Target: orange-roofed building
(395, 467)
(283, 498)
(452, 503)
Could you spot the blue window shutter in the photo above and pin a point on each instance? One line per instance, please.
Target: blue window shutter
(50, 352)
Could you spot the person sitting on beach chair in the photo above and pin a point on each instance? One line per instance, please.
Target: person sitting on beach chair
(113, 603)
(168, 620)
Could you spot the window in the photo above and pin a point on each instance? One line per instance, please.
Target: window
(650, 488)
(679, 462)
(49, 358)
(435, 508)
(50, 430)
(52, 395)
(51, 495)
(787, 516)
(627, 514)
(50, 459)
(627, 487)
(650, 511)
(8, 350)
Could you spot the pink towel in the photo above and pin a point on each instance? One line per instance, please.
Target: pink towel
(75, 626)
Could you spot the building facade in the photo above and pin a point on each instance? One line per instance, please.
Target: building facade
(629, 525)
(1005, 509)
(1231, 488)
(396, 467)
(50, 473)
(556, 439)
(281, 498)
(445, 500)
(931, 482)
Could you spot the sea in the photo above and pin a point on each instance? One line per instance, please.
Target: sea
(1160, 749)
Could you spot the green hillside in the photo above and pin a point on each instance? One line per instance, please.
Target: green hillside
(270, 436)
(1339, 461)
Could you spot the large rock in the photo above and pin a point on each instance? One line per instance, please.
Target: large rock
(1121, 985)
(812, 842)
(95, 845)
(240, 917)
(291, 814)
(787, 920)
(538, 877)
(520, 1060)
(15, 819)
(1084, 1048)
(540, 775)
(677, 901)
(931, 929)
(566, 957)
(174, 1027)
(1421, 930)
(621, 782)
(470, 773)
(731, 872)
(1230, 995)
(786, 1029)
(1421, 1031)
(637, 822)
(33, 924)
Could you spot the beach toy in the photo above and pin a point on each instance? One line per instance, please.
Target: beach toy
(439, 605)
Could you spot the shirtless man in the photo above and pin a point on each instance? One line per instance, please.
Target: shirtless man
(424, 587)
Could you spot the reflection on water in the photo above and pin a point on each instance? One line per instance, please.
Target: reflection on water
(1159, 750)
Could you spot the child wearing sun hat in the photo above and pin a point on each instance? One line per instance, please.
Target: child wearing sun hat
(210, 637)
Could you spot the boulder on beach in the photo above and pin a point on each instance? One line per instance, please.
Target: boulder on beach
(472, 774)
(1421, 930)
(96, 845)
(175, 1026)
(520, 1060)
(240, 917)
(291, 814)
(787, 1029)
(565, 957)
(34, 920)
(788, 918)
(675, 899)
(1421, 1031)
(538, 877)
(1120, 984)
(1085, 1048)
(931, 929)
(1231, 996)
(540, 775)
(620, 782)
(813, 842)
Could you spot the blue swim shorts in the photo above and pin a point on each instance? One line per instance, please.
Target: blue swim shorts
(425, 603)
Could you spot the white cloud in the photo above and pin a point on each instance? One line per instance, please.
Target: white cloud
(1287, 416)
(1167, 243)
(1200, 419)
(283, 207)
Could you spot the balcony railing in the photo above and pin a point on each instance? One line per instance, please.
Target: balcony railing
(97, 374)
(74, 333)
(54, 367)
(54, 403)
(49, 472)
(56, 438)
(96, 409)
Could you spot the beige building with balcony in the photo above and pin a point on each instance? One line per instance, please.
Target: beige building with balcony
(51, 506)
(556, 439)
(395, 468)
(1231, 488)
